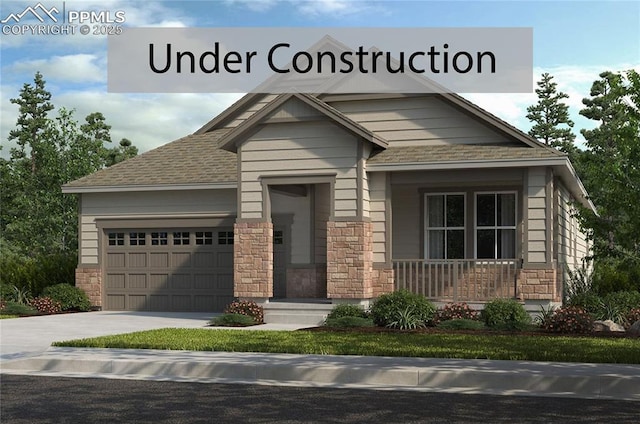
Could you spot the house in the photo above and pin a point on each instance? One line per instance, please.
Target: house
(339, 197)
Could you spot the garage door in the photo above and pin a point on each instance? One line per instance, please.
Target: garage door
(174, 269)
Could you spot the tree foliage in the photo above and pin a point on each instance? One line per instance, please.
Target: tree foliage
(611, 164)
(36, 218)
(550, 116)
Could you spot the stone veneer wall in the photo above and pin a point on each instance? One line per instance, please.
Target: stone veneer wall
(539, 284)
(252, 260)
(382, 280)
(89, 280)
(307, 282)
(349, 259)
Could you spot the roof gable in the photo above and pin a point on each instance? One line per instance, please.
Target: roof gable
(313, 107)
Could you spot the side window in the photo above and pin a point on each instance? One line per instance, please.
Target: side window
(495, 225)
(116, 239)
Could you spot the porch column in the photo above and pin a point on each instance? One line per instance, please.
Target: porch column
(349, 259)
(253, 260)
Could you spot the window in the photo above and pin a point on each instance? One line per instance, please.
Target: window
(278, 237)
(137, 239)
(159, 239)
(204, 237)
(116, 239)
(181, 238)
(225, 237)
(444, 226)
(495, 225)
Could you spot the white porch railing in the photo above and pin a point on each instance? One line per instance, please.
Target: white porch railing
(458, 280)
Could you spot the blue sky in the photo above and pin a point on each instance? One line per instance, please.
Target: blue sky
(573, 40)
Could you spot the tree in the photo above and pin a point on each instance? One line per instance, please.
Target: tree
(550, 116)
(612, 166)
(123, 151)
(36, 218)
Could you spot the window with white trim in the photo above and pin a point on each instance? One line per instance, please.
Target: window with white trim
(495, 225)
(444, 226)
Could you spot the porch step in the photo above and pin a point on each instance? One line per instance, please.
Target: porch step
(296, 312)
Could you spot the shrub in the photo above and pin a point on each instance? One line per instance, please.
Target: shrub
(505, 314)
(232, 320)
(13, 308)
(36, 273)
(248, 308)
(71, 298)
(632, 316)
(623, 300)
(456, 311)
(589, 301)
(544, 315)
(406, 319)
(45, 305)
(19, 295)
(349, 321)
(346, 310)
(570, 319)
(462, 324)
(387, 308)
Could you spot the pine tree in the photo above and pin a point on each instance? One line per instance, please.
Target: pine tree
(550, 116)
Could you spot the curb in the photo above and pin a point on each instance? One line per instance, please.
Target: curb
(598, 381)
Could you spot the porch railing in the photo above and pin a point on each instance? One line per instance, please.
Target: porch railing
(458, 280)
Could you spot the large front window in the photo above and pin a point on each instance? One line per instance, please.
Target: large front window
(495, 225)
(445, 217)
(490, 226)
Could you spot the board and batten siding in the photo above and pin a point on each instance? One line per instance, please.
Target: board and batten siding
(425, 120)
(537, 225)
(153, 204)
(378, 214)
(299, 148)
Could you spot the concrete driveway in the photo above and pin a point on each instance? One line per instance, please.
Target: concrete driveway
(22, 337)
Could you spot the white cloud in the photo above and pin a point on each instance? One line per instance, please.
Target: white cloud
(75, 68)
(309, 7)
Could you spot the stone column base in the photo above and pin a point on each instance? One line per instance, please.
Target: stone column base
(382, 280)
(89, 280)
(253, 260)
(349, 259)
(539, 284)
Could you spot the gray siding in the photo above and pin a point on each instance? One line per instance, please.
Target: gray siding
(419, 120)
(377, 203)
(249, 111)
(154, 204)
(537, 225)
(572, 246)
(299, 148)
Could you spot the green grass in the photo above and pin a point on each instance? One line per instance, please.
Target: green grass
(462, 346)
(8, 316)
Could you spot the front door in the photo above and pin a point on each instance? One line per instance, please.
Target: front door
(279, 263)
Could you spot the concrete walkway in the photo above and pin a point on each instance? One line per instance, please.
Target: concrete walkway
(25, 350)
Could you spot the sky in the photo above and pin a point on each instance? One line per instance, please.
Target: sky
(572, 40)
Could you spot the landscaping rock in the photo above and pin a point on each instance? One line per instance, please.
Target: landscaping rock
(607, 326)
(634, 330)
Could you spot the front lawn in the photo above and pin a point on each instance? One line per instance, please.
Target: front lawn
(442, 345)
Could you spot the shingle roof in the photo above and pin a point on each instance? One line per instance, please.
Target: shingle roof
(194, 159)
(459, 152)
